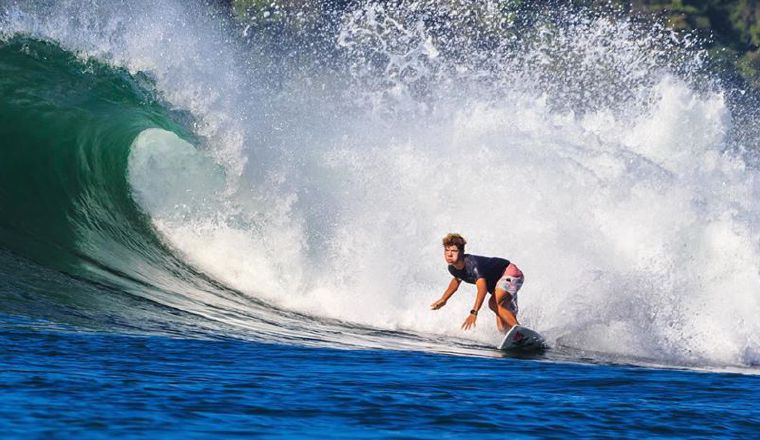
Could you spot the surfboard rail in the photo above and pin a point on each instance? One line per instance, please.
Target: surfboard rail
(522, 338)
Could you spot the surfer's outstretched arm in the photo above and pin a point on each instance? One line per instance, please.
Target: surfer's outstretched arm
(453, 286)
(482, 290)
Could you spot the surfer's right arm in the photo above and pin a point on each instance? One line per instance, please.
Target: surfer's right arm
(453, 286)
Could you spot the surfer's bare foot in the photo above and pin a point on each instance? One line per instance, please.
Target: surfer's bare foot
(500, 326)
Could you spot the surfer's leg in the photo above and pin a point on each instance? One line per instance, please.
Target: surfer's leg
(505, 295)
(501, 325)
(503, 300)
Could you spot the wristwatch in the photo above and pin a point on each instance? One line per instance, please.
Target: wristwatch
(474, 312)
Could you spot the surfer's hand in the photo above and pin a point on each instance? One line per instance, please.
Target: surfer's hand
(438, 304)
(469, 322)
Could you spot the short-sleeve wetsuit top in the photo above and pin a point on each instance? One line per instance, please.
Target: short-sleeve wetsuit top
(476, 267)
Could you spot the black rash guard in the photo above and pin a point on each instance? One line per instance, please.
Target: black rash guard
(476, 267)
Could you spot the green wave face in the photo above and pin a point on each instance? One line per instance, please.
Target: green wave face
(81, 142)
(66, 126)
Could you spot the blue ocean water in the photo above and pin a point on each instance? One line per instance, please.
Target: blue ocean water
(61, 383)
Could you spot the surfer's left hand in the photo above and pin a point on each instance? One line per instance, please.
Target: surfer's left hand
(469, 322)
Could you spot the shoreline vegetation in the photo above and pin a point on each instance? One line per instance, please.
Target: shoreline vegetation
(728, 30)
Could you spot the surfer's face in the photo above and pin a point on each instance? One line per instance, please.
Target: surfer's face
(451, 254)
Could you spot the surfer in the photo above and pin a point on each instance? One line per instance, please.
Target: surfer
(496, 276)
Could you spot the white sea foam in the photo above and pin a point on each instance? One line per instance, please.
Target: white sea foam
(605, 174)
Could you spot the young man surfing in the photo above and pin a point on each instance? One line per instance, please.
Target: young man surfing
(496, 276)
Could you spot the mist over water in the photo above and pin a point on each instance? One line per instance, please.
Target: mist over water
(597, 153)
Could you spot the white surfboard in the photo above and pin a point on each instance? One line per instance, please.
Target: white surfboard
(522, 338)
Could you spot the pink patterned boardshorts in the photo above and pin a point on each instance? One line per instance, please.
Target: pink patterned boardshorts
(511, 281)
